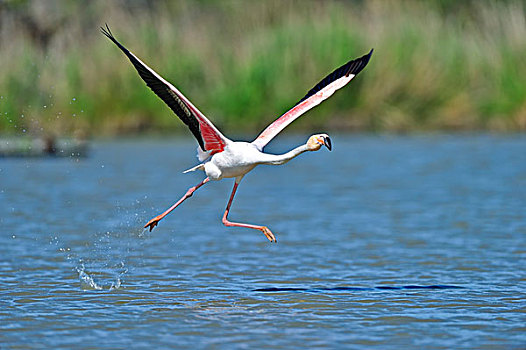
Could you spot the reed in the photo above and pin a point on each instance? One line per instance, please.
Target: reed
(437, 65)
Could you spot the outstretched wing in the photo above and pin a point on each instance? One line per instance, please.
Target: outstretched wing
(323, 90)
(207, 135)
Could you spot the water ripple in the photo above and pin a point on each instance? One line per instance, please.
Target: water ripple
(410, 242)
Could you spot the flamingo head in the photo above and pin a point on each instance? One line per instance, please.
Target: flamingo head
(316, 141)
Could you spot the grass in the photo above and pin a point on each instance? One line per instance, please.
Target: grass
(437, 65)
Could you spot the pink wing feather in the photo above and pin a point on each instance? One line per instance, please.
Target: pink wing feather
(323, 90)
(208, 136)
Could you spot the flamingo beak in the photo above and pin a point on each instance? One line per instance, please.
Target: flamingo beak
(327, 142)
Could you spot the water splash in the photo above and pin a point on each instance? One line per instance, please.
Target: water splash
(122, 271)
(105, 281)
(100, 260)
(86, 281)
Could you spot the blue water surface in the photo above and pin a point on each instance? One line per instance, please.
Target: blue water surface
(386, 242)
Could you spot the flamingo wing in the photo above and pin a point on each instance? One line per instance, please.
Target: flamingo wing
(208, 136)
(322, 91)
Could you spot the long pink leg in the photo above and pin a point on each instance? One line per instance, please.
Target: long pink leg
(263, 229)
(153, 222)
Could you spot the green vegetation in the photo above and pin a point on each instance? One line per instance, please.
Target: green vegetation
(437, 65)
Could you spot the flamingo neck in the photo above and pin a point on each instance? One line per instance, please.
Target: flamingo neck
(278, 159)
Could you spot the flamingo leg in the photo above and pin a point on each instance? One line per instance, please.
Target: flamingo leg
(153, 222)
(263, 229)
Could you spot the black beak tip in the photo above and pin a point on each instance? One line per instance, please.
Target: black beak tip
(328, 143)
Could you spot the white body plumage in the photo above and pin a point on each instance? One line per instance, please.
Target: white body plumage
(238, 158)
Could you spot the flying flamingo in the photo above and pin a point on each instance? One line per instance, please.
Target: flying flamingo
(221, 157)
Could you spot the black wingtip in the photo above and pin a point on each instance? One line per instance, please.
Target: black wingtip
(357, 65)
(106, 31)
(352, 67)
(369, 55)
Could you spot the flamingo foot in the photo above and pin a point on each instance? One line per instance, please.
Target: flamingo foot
(152, 223)
(268, 234)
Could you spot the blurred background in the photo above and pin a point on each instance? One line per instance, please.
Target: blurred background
(438, 65)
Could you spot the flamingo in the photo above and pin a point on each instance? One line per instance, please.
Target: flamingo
(221, 157)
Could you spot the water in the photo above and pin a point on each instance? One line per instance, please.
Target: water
(384, 242)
